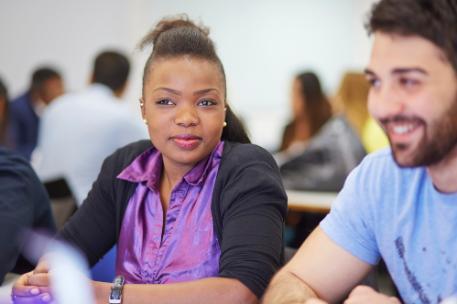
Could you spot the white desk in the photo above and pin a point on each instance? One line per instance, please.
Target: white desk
(309, 201)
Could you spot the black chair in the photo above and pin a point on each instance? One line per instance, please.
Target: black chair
(63, 203)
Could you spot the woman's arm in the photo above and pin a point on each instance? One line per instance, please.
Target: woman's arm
(210, 290)
(252, 205)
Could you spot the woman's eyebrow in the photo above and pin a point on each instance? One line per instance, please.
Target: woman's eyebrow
(204, 91)
(175, 92)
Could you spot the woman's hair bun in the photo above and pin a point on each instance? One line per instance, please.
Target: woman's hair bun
(169, 24)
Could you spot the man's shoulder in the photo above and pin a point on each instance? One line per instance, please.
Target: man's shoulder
(382, 161)
(20, 103)
(379, 162)
(61, 103)
(378, 176)
(10, 161)
(15, 170)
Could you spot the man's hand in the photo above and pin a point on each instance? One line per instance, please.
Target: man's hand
(365, 294)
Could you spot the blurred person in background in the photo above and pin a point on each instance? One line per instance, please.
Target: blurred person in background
(24, 204)
(80, 129)
(25, 111)
(4, 141)
(310, 110)
(23, 201)
(329, 155)
(335, 148)
(351, 101)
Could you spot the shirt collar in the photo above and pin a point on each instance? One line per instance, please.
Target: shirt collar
(147, 167)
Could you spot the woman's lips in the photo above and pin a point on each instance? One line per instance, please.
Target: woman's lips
(186, 141)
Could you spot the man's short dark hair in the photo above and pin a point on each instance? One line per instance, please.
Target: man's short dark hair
(42, 74)
(434, 20)
(111, 69)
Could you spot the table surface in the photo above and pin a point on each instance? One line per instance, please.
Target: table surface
(310, 201)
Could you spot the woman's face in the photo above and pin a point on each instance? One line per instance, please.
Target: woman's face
(298, 104)
(183, 105)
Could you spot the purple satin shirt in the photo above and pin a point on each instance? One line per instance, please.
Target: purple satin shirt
(189, 249)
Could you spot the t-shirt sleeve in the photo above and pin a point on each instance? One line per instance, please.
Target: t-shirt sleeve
(253, 209)
(350, 222)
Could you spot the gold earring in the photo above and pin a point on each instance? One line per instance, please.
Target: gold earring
(225, 124)
(145, 121)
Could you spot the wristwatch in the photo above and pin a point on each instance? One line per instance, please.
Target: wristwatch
(115, 296)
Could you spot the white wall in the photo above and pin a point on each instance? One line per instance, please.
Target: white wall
(262, 44)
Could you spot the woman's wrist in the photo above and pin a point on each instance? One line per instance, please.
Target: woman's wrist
(101, 291)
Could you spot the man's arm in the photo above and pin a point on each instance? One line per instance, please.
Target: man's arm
(321, 269)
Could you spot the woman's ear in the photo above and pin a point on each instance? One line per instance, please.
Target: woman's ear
(143, 111)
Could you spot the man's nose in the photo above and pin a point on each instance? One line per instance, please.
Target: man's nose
(386, 102)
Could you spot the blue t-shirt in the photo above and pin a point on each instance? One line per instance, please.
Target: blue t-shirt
(397, 214)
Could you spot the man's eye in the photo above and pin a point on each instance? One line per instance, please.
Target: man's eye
(165, 102)
(206, 103)
(374, 82)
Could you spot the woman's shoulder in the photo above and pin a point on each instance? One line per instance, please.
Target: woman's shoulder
(238, 158)
(238, 152)
(126, 154)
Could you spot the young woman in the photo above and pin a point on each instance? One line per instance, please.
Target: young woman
(311, 110)
(197, 212)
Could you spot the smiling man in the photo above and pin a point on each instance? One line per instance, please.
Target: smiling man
(400, 204)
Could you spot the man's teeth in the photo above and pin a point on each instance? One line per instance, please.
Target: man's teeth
(402, 129)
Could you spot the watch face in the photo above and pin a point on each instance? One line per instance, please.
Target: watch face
(119, 281)
(116, 290)
(115, 293)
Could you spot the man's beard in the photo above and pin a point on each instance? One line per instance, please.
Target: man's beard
(438, 141)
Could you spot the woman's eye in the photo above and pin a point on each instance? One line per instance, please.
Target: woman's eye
(206, 103)
(164, 102)
(408, 82)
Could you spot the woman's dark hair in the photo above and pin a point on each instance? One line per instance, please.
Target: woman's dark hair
(318, 109)
(3, 120)
(179, 36)
(434, 20)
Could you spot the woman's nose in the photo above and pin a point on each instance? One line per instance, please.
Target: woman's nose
(187, 116)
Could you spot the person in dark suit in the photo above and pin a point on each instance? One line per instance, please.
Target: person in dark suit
(24, 204)
(25, 110)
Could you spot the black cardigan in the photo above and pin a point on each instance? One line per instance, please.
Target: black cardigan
(249, 205)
